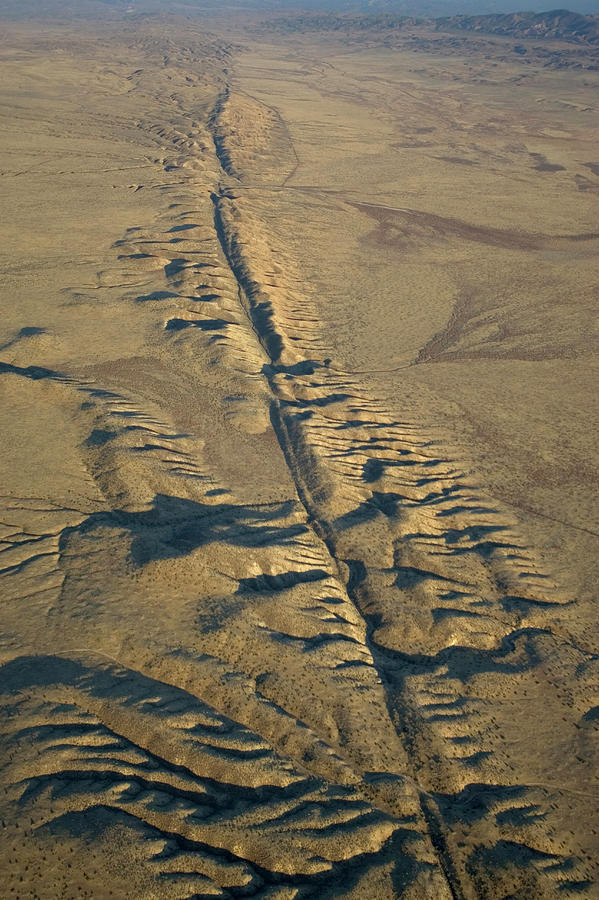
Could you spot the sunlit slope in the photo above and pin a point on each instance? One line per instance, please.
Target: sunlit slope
(268, 628)
(191, 706)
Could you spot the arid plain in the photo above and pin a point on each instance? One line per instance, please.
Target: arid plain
(299, 351)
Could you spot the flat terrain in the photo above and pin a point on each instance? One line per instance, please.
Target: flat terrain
(299, 351)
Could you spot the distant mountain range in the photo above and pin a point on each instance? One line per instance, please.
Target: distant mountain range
(580, 23)
(559, 24)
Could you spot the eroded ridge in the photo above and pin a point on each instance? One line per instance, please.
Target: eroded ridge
(220, 813)
(210, 718)
(286, 661)
(463, 622)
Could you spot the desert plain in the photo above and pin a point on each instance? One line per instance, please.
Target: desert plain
(299, 354)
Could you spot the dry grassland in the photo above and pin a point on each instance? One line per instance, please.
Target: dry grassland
(298, 363)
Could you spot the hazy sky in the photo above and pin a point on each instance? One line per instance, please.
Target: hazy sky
(18, 8)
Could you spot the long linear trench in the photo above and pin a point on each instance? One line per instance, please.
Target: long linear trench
(457, 635)
(349, 572)
(475, 568)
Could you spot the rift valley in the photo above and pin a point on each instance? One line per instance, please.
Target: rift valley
(299, 353)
